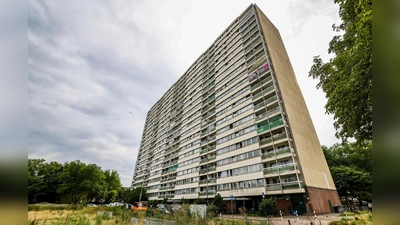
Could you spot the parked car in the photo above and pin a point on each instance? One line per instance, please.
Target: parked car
(116, 204)
(370, 206)
(139, 206)
(163, 208)
(91, 205)
(176, 207)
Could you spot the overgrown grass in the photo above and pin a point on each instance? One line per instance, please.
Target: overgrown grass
(364, 218)
(56, 215)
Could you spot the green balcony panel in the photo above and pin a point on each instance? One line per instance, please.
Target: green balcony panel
(290, 186)
(282, 151)
(267, 171)
(273, 187)
(265, 141)
(279, 137)
(269, 155)
(286, 168)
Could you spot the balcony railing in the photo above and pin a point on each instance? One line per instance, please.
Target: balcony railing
(211, 148)
(207, 181)
(275, 138)
(284, 185)
(212, 158)
(277, 152)
(292, 185)
(212, 192)
(273, 187)
(280, 168)
(269, 126)
(267, 114)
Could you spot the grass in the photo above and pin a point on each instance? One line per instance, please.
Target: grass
(364, 218)
(79, 215)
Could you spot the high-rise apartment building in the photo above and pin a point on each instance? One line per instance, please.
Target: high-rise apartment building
(236, 124)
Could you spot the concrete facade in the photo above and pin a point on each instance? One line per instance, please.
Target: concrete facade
(236, 124)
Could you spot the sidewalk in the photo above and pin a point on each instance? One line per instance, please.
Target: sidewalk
(323, 219)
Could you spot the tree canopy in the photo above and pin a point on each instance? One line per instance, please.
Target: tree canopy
(347, 78)
(351, 168)
(70, 182)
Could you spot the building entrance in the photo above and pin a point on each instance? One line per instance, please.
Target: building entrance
(298, 204)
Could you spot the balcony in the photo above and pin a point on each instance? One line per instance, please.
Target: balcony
(277, 152)
(273, 187)
(207, 181)
(292, 185)
(267, 114)
(211, 192)
(211, 148)
(210, 113)
(274, 138)
(204, 133)
(204, 151)
(280, 168)
(210, 169)
(284, 150)
(264, 81)
(270, 126)
(212, 158)
(203, 160)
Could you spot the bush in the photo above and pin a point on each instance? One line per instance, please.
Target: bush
(200, 201)
(212, 211)
(219, 203)
(267, 207)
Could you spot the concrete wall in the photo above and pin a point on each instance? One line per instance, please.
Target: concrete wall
(309, 154)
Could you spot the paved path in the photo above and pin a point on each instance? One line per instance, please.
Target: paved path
(324, 219)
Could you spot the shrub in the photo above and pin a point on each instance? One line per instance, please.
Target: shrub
(267, 206)
(200, 201)
(219, 203)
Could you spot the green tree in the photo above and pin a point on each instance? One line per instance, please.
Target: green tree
(219, 203)
(267, 206)
(78, 179)
(350, 155)
(347, 78)
(351, 168)
(112, 196)
(350, 181)
(43, 180)
(133, 195)
(200, 201)
(185, 200)
(112, 183)
(164, 201)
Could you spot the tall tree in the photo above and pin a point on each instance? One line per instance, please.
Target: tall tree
(113, 181)
(347, 78)
(78, 179)
(133, 195)
(351, 168)
(218, 201)
(43, 180)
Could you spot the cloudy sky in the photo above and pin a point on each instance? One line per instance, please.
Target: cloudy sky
(96, 67)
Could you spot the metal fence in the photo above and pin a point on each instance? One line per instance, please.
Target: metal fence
(151, 221)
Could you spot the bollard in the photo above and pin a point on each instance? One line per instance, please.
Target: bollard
(288, 222)
(297, 217)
